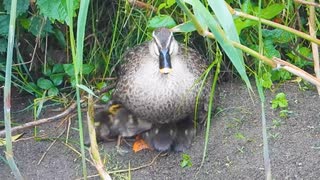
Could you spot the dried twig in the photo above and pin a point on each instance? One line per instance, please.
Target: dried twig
(94, 150)
(66, 112)
(314, 46)
(43, 121)
(281, 64)
(142, 5)
(307, 3)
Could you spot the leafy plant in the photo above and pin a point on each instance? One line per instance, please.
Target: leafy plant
(280, 101)
(186, 161)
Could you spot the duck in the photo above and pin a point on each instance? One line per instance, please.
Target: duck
(158, 81)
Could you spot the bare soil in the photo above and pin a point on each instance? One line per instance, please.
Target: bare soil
(235, 149)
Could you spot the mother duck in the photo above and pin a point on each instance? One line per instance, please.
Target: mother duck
(158, 81)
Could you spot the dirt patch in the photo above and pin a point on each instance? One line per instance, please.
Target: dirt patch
(235, 148)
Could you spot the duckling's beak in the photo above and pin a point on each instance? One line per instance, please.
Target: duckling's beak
(165, 61)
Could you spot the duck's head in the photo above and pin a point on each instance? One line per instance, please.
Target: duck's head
(163, 46)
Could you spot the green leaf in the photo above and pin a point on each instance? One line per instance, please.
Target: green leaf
(185, 27)
(37, 25)
(87, 68)
(57, 79)
(186, 161)
(22, 6)
(223, 37)
(58, 34)
(246, 6)
(277, 35)
(166, 4)
(265, 80)
(57, 68)
(161, 21)
(44, 83)
(270, 50)
(280, 101)
(280, 75)
(55, 9)
(4, 25)
(271, 11)
(53, 91)
(25, 22)
(68, 68)
(3, 45)
(242, 24)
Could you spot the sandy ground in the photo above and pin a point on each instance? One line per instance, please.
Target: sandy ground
(235, 149)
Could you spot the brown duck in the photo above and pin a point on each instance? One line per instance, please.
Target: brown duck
(159, 80)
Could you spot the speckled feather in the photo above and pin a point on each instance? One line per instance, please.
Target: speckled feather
(157, 97)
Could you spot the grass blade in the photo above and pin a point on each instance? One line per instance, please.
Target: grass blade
(220, 35)
(267, 165)
(7, 92)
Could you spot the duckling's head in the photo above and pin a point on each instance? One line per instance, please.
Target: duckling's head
(163, 47)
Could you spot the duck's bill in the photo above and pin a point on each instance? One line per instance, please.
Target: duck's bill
(165, 62)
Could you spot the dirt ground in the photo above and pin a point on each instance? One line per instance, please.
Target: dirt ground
(235, 148)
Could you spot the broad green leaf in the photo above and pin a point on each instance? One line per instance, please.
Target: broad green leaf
(87, 68)
(60, 37)
(36, 24)
(25, 22)
(270, 50)
(55, 9)
(265, 80)
(242, 24)
(53, 91)
(185, 27)
(57, 79)
(246, 6)
(31, 87)
(271, 11)
(4, 25)
(68, 68)
(225, 20)
(47, 71)
(279, 75)
(44, 83)
(280, 101)
(161, 21)
(277, 35)
(57, 68)
(22, 6)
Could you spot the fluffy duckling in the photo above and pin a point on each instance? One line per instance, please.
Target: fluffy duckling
(116, 121)
(161, 136)
(185, 132)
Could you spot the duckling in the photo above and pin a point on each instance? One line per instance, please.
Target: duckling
(117, 121)
(160, 137)
(158, 81)
(185, 132)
